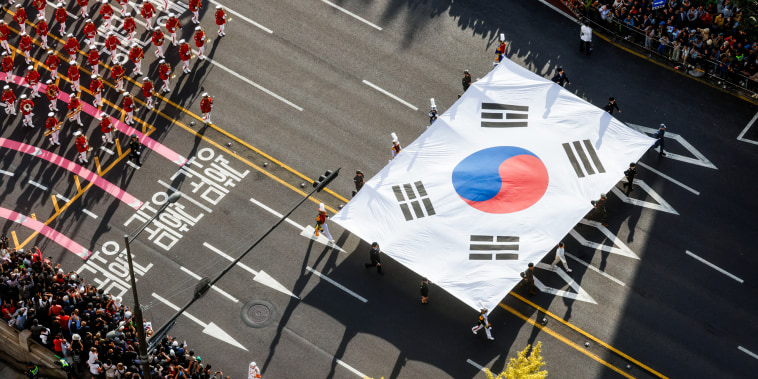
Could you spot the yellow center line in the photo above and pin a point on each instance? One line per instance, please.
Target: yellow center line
(565, 340)
(582, 332)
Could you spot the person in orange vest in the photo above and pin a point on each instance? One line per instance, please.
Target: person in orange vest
(128, 105)
(395, 146)
(483, 322)
(130, 26)
(52, 125)
(147, 11)
(93, 58)
(5, 32)
(106, 12)
(158, 39)
(220, 20)
(200, 42)
(96, 88)
(42, 30)
(82, 7)
(206, 104)
(61, 16)
(52, 93)
(117, 73)
(106, 126)
(321, 223)
(20, 17)
(27, 106)
(90, 33)
(52, 62)
(194, 6)
(40, 6)
(164, 71)
(185, 53)
(72, 46)
(25, 45)
(111, 44)
(136, 54)
(82, 146)
(32, 80)
(147, 91)
(75, 109)
(73, 75)
(7, 63)
(9, 99)
(172, 25)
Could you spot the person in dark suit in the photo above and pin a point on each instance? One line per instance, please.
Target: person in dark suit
(375, 256)
(561, 78)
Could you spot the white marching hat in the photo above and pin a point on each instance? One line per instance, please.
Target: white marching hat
(181, 41)
(30, 68)
(73, 61)
(39, 16)
(394, 137)
(198, 27)
(145, 79)
(70, 35)
(6, 86)
(205, 94)
(23, 96)
(321, 207)
(51, 114)
(93, 76)
(103, 114)
(78, 133)
(169, 15)
(218, 7)
(47, 82)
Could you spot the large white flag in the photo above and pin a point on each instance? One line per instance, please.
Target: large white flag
(495, 183)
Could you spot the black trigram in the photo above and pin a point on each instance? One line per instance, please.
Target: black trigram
(580, 152)
(504, 115)
(413, 196)
(493, 244)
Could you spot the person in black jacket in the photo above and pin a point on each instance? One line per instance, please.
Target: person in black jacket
(561, 78)
(611, 104)
(376, 260)
(630, 174)
(424, 290)
(136, 150)
(466, 81)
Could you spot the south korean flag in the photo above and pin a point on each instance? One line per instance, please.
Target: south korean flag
(495, 183)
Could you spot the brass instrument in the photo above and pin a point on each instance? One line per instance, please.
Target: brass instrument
(28, 107)
(73, 113)
(55, 128)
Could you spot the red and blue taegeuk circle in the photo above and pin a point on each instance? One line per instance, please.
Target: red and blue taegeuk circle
(501, 179)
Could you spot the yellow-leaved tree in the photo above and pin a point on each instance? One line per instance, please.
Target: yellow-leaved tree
(523, 367)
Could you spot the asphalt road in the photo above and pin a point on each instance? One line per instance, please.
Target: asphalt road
(299, 95)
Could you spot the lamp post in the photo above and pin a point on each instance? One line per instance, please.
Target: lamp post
(137, 308)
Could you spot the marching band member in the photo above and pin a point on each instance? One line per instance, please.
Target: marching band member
(82, 6)
(7, 63)
(111, 44)
(20, 17)
(74, 109)
(128, 105)
(194, 6)
(395, 146)
(220, 20)
(321, 223)
(9, 99)
(61, 15)
(200, 42)
(71, 46)
(90, 33)
(124, 6)
(5, 32)
(172, 25)
(136, 54)
(130, 26)
(25, 45)
(93, 58)
(27, 106)
(500, 51)
(42, 29)
(206, 104)
(40, 6)
(53, 127)
(158, 39)
(82, 146)
(135, 149)
(73, 75)
(106, 126)
(147, 91)
(117, 73)
(106, 12)
(32, 80)
(147, 11)
(164, 71)
(185, 53)
(52, 62)
(96, 87)
(52, 94)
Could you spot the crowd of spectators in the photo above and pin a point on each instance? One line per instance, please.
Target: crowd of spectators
(92, 330)
(704, 34)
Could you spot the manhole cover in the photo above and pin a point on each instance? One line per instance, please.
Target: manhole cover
(258, 313)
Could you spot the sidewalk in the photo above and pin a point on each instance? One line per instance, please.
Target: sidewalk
(9, 372)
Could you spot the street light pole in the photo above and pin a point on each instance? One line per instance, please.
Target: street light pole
(137, 308)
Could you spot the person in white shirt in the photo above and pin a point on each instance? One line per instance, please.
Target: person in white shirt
(585, 38)
(560, 256)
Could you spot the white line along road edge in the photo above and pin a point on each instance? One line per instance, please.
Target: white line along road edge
(347, 12)
(713, 266)
(380, 89)
(340, 286)
(748, 352)
(210, 328)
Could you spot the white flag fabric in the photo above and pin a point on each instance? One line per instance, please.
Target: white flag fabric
(495, 183)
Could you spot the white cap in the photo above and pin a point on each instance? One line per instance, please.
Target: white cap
(205, 94)
(103, 114)
(394, 137)
(110, 33)
(73, 61)
(157, 28)
(30, 68)
(171, 14)
(128, 14)
(5, 53)
(23, 32)
(162, 61)
(251, 363)
(18, 5)
(219, 7)
(51, 114)
(321, 207)
(181, 41)
(23, 96)
(49, 81)
(134, 43)
(50, 51)
(663, 126)
(105, 1)
(6, 86)
(89, 20)
(70, 35)
(93, 76)
(198, 27)
(61, 4)
(78, 133)
(39, 16)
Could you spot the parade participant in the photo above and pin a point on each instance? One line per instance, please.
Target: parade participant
(71, 46)
(135, 55)
(90, 33)
(32, 80)
(5, 32)
(9, 99)
(185, 53)
(128, 105)
(321, 223)
(206, 104)
(158, 39)
(483, 322)
(466, 81)
(52, 62)
(40, 6)
(659, 139)
(82, 146)
(585, 38)
(135, 149)
(172, 25)
(7, 63)
(27, 106)
(528, 279)
(111, 45)
(124, 6)
(194, 6)
(630, 174)
(561, 78)
(52, 93)
(424, 291)
(106, 12)
(433, 112)
(20, 17)
(106, 126)
(93, 58)
(130, 27)
(147, 91)
(148, 11)
(53, 127)
(73, 75)
(60, 16)
(96, 88)
(500, 50)
(220, 20)
(117, 73)
(253, 372)
(75, 109)
(25, 45)
(164, 71)
(200, 42)
(82, 7)
(42, 30)
(375, 258)
(359, 181)
(599, 210)
(560, 255)
(395, 145)
(611, 104)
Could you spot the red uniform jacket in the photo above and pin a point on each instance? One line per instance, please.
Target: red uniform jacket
(117, 72)
(147, 10)
(147, 88)
(185, 53)
(90, 30)
(164, 70)
(73, 72)
(52, 61)
(82, 3)
(106, 11)
(96, 85)
(71, 45)
(129, 24)
(25, 43)
(206, 104)
(136, 54)
(81, 144)
(52, 92)
(112, 42)
(199, 38)
(74, 103)
(7, 64)
(26, 103)
(51, 122)
(128, 103)
(39, 4)
(61, 15)
(172, 24)
(8, 96)
(20, 16)
(32, 77)
(42, 28)
(158, 38)
(220, 17)
(194, 5)
(93, 57)
(5, 31)
(106, 125)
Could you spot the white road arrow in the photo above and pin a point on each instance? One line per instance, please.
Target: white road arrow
(210, 328)
(580, 293)
(622, 249)
(260, 276)
(304, 231)
(661, 204)
(699, 159)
